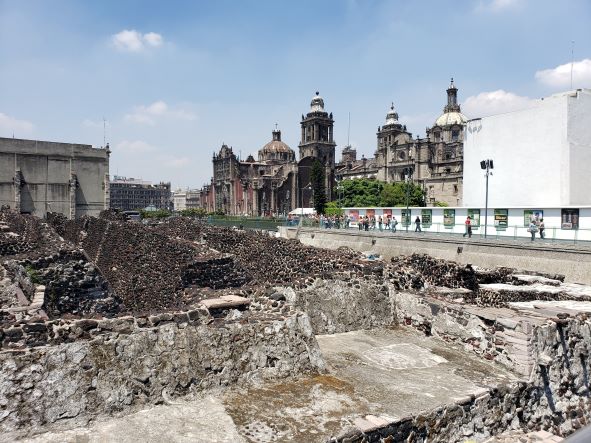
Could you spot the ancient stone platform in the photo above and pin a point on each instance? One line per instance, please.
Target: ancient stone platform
(374, 377)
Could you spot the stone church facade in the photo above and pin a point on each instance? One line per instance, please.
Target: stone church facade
(276, 182)
(435, 162)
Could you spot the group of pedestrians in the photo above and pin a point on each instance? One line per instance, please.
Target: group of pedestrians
(536, 226)
(386, 222)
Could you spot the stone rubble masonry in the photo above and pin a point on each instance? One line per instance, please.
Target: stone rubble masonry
(553, 355)
(345, 305)
(124, 363)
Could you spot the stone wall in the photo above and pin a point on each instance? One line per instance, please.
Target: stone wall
(348, 304)
(118, 364)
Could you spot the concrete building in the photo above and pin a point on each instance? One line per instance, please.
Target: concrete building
(186, 199)
(37, 177)
(130, 194)
(541, 154)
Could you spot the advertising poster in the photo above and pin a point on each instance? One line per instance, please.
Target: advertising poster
(371, 213)
(501, 219)
(449, 218)
(426, 217)
(569, 219)
(387, 213)
(405, 219)
(474, 214)
(532, 214)
(354, 214)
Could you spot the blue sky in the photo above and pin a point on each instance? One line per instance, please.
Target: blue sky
(176, 79)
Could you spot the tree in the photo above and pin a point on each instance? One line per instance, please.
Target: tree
(317, 180)
(373, 193)
(333, 208)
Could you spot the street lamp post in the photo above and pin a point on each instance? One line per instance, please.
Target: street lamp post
(487, 165)
(408, 178)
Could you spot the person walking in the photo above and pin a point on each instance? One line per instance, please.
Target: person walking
(394, 223)
(418, 224)
(542, 227)
(532, 229)
(468, 224)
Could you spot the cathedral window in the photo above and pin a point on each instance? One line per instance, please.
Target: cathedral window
(401, 155)
(455, 135)
(437, 136)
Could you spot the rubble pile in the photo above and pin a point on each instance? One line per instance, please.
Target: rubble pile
(418, 271)
(146, 269)
(72, 286)
(273, 260)
(20, 234)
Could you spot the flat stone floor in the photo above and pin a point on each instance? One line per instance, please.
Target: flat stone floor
(388, 373)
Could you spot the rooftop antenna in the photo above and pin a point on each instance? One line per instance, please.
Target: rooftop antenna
(275, 126)
(349, 130)
(572, 62)
(104, 132)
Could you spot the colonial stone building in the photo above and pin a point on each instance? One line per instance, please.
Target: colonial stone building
(274, 183)
(435, 161)
(37, 177)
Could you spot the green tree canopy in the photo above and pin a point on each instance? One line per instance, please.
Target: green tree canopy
(368, 193)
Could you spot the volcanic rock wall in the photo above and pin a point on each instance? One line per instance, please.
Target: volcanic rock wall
(146, 269)
(119, 364)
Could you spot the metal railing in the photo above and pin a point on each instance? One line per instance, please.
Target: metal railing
(552, 234)
(263, 223)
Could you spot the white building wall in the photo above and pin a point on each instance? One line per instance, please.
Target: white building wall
(541, 154)
(579, 140)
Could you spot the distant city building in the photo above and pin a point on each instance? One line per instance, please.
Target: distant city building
(541, 154)
(129, 194)
(37, 177)
(434, 162)
(276, 182)
(186, 199)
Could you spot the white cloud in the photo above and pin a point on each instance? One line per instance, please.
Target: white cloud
(153, 39)
(175, 162)
(88, 123)
(494, 102)
(149, 114)
(134, 41)
(10, 125)
(559, 77)
(135, 146)
(497, 5)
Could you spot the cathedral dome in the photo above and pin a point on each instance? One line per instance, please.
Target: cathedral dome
(317, 104)
(392, 117)
(276, 150)
(451, 118)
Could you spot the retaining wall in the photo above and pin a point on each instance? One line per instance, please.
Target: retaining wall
(119, 364)
(574, 263)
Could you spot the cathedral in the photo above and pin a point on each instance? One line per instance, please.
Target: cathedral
(277, 183)
(435, 162)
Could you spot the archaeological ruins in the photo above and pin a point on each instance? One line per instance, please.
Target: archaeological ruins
(183, 331)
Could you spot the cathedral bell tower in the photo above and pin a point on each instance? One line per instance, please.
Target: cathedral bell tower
(317, 140)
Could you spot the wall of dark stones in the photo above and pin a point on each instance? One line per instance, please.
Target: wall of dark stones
(149, 270)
